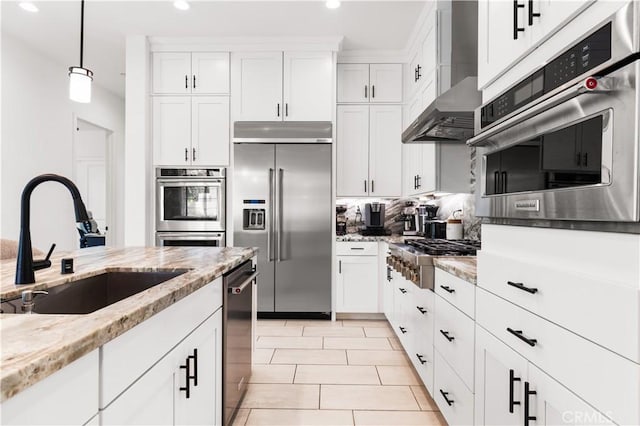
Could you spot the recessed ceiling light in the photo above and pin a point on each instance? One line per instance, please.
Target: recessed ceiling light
(181, 4)
(28, 6)
(333, 4)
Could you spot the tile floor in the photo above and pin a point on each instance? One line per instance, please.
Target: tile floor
(344, 373)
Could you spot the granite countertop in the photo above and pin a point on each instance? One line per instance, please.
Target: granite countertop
(463, 267)
(358, 238)
(33, 347)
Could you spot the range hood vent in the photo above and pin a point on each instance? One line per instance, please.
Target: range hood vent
(449, 117)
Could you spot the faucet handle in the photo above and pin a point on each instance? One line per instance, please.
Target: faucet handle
(29, 295)
(44, 263)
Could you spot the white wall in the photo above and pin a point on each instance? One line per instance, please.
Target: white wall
(37, 126)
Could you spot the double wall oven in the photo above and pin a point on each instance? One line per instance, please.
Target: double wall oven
(190, 207)
(563, 143)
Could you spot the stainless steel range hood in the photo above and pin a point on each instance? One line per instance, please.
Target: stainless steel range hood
(449, 118)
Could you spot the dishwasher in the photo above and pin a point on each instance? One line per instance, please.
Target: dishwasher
(236, 336)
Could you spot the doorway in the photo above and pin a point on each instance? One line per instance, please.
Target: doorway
(92, 166)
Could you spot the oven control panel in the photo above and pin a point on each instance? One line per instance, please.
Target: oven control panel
(575, 61)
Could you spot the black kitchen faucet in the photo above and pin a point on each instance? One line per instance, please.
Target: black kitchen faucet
(25, 265)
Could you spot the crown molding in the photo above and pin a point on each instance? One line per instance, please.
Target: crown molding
(239, 44)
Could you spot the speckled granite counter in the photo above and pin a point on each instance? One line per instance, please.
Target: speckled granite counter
(35, 346)
(357, 238)
(461, 267)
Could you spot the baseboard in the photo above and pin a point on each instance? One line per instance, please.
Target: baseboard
(360, 316)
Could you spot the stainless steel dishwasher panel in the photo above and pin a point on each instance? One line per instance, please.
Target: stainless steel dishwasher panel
(237, 334)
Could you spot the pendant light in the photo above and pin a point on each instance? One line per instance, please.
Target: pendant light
(80, 78)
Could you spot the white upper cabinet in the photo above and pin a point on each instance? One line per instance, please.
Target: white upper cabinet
(191, 130)
(308, 85)
(257, 87)
(358, 83)
(177, 73)
(353, 81)
(271, 87)
(171, 130)
(386, 83)
(352, 150)
(369, 150)
(210, 130)
(385, 150)
(210, 72)
(508, 31)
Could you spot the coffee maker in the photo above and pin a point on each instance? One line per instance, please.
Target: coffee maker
(374, 219)
(341, 220)
(410, 218)
(428, 225)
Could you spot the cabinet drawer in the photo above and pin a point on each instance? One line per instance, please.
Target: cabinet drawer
(357, 249)
(457, 291)
(446, 384)
(423, 322)
(551, 290)
(602, 378)
(454, 338)
(129, 355)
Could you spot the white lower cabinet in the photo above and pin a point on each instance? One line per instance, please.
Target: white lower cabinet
(67, 397)
(453, 397)
(510, 390)
(357, 282)
(183, 388)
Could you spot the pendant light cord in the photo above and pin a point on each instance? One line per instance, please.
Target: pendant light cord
(81, 31)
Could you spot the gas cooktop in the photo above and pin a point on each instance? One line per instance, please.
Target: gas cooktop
(439, 247)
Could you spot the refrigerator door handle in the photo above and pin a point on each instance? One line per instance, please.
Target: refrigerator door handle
(279, 214)
(270, 225)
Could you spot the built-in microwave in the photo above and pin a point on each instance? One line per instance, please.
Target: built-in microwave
(563, 143)
(190, 199)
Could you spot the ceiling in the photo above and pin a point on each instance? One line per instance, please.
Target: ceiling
(54, 30)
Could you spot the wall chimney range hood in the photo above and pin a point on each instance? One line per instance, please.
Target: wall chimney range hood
(449, 118)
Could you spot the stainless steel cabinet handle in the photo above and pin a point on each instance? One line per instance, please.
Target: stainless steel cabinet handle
(280, 208)
(193, 154)
(271, 209)
(186, 154)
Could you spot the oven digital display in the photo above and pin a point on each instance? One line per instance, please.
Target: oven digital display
(590, 52)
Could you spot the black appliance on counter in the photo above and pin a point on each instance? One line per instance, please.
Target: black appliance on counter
(374, 220)
(341, 220)
(428, 225)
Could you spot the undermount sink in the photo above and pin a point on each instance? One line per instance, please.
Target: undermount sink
(90, 294)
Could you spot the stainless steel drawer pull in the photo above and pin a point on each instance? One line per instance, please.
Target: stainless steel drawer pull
(357, 248)
(522, 287)
(519, 335)
(444, 395)
(446, 335)
(239, 289)
(447, 289)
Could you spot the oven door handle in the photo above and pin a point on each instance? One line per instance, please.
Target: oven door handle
(198, 182)
(591, 85)
(239, 289)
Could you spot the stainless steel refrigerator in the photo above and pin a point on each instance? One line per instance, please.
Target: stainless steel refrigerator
(282, 205)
